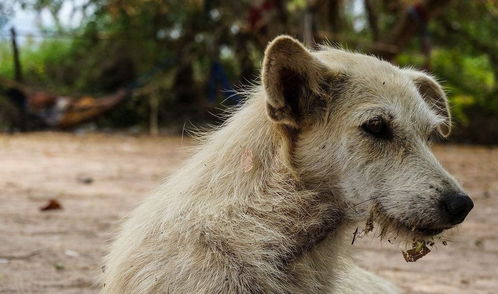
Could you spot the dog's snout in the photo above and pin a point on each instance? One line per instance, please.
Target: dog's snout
(456, 206)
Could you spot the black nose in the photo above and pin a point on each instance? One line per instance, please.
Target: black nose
(456, 206)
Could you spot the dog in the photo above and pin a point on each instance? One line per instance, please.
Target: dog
(268, 203)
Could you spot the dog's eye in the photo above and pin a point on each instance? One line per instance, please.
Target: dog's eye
(378, 128)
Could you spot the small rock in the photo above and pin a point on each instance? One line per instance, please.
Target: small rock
(71, 253)
(85, 180)
(4, 261)
(487, 194)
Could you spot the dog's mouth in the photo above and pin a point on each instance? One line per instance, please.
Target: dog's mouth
(416, 230)
(429, 231)
(423, 231)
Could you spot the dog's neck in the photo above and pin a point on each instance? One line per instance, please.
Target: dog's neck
(247, 166)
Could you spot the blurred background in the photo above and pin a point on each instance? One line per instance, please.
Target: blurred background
(96, 95)
(162, 64)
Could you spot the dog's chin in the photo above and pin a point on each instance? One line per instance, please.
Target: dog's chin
(391, 226)
(421, 232)
(429, 232)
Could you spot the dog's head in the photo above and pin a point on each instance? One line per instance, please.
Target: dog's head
(362, 129)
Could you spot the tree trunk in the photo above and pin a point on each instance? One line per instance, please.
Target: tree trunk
(372, 19)
(15, 54)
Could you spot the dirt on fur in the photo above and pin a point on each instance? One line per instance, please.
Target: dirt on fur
(97, 179)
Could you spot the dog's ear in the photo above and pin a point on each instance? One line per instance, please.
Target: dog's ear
(292, 79)
(433, 95)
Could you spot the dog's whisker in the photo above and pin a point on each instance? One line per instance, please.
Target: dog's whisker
(368, 200)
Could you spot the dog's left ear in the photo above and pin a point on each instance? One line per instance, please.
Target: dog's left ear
(433, 95)
(292, 78)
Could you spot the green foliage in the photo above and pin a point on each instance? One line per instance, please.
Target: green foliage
(469, 80)
(42, 63)
(119, 42)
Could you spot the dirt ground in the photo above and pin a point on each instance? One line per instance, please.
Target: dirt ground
(99, 178)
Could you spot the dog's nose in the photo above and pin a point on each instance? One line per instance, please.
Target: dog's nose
(456, 206)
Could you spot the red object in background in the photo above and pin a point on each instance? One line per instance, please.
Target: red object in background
(40, 100)
(421, 11)
(256, 13)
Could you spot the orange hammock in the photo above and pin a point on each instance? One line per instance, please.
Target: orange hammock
(60, 111)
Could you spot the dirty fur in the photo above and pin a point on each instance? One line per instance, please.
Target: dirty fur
(282, 222)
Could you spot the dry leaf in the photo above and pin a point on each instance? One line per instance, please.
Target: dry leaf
(51, 205)
(369, 226)
(418, 251)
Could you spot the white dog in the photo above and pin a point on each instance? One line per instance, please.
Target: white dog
(265, 204)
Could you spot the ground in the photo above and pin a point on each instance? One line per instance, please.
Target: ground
(98, 179)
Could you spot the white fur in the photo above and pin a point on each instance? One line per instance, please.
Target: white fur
(267, 200)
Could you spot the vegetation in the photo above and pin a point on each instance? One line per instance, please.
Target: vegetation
(118, 42)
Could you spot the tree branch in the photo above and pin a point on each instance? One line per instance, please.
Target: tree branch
(334, 15)
(406, 28)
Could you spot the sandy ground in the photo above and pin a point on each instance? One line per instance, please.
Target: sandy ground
(60, 251)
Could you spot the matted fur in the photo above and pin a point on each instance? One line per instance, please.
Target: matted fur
(266, 203)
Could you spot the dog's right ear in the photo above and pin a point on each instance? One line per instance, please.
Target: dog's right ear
(292, 78)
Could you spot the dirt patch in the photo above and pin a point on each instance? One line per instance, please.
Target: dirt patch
(97, 179)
